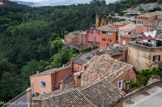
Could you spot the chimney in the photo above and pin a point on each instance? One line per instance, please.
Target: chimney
(37, 72)
(61, 84)
(72, 64)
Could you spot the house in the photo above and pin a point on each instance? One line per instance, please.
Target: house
(93, 37)
(2, 3)
(125, 39)
(125, 31)
(108, 35)
(118, 73)
(98, 94)
(147, 22)
(146, 52)
(114, 52)
(76, 39)
(49, 80)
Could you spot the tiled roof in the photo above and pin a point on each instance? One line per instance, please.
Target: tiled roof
(72, 98)
(99, 94)
(107, 28)
(79, 61)
(111, 51)
(103, 66)
(52, 71)
(134, 35)
(148, 15)
(102, 93)
(129, 27)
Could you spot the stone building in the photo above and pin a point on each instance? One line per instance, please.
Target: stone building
(146, 53)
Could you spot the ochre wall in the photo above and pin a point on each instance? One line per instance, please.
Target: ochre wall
(141, 57)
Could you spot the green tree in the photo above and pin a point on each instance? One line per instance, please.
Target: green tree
(9, 87)
(158, 71)
(29, 69)
(133, 85)
(55, 47)
(144, 77)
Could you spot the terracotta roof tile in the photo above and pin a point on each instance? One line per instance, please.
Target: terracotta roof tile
(103, 66)
(107, 28)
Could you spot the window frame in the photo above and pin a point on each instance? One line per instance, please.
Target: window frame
(141, 22)
(103, 39)
(43, 85)
(121, 81)
(110, 33)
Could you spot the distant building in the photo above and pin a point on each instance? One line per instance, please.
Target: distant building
(108, 35)
(125, 32)
(2, 3)
(148, 21)
(93, 37)
(75, 39)
(146, 52)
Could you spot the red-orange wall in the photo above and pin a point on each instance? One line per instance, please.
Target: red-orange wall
(127, 40)
(113, 38)
(127, 76)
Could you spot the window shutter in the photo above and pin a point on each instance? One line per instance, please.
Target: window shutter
(153, 58)
(159, 58)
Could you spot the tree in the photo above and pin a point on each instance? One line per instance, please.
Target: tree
(29, 69)
(158, 71)
(143, 77)
(9, 87)
(132, 85)
(55, 47)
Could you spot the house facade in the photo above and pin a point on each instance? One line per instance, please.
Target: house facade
(93, 37)
(142, 55)
(49, 80)
(108, 35)
(147, 22)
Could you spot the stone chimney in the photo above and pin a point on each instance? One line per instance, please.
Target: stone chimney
(61, 84)
(37, 72)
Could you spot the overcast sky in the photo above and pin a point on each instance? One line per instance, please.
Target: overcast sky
(55, 1)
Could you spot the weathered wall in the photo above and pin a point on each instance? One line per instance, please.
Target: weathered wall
(126, 39)
(112, 37)
(141, 57)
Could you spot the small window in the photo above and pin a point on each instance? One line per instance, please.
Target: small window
(110, 33)
(140, 22)
(124, 42)
(103, 32)
(43, 84)
(156, 58)
(120, 84)
(44, 92)
(109, 40)
(103, 39)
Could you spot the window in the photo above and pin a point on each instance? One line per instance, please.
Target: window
(44, 92)
(120, 84)
(103, 39)
(109, 40)
(110, 33)
(140, 22)
(124, 42)
(43, 84)
(156, 58)
(103, 32)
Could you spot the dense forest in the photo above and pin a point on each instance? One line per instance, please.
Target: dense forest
(31, 38)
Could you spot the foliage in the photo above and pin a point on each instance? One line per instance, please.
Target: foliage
(9, 86)
(87, 49)
(158, 71)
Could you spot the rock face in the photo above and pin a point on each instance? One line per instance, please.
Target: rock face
(100, 21)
